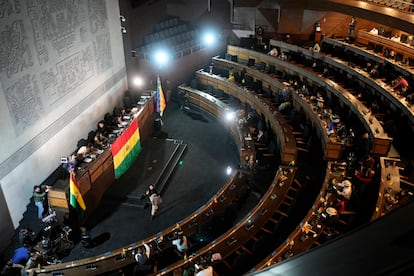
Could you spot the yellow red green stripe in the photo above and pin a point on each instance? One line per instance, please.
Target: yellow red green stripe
(126, 148)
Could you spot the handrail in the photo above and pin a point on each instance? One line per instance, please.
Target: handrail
(332, 149)
(244, 230)
(286, 139)
(124, 256)
(382, 142)
(377, 84)
(296, 244)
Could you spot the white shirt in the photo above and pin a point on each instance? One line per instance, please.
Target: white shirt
(181, 247)
(208, 271)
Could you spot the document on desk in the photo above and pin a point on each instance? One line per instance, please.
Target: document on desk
(87, 160)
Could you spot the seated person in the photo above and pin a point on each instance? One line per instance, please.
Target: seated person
(110, 122)
(142, 257)
(27, 237)
(391, 54)
(72, 163)
(400, 85)
(245, 166)
(410, 98)
(273, 52)
(34, 261)
(262, 137)
(346, 189)
(395, 37)
(203, 270)
(316, 48)
(12, 269)
(100, 140)
(374, 72)
(181, 243)
(365, 172)
(83, 151)
(117, 114)
(231, 75)
(374, 31)
(303, 91)
(102, 128)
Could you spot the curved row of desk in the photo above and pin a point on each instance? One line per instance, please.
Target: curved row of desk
(363, 77)
(381, 141)
(300, 240)
(383, 90)
(273, 203)
(124, 256)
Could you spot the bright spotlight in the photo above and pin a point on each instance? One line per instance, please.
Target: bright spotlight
(229, 170)
(137, 81)
(161, 57)
(230, 116)
(209, 38)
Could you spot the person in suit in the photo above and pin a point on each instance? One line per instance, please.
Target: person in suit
(262, 137)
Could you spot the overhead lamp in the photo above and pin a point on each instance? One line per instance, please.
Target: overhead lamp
(230, 116)
(229, 170)
(137, 81)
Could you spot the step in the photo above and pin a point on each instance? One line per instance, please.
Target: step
(174, 159)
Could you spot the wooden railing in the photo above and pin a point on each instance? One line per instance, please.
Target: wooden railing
(122, 257)
(331, 147)
(247, 228)
(305, 234)
(279, 124)
(381, 141)
(385, 90)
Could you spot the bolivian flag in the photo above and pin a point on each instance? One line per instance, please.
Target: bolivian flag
(160, 103)
(76, 200)
(126, 148)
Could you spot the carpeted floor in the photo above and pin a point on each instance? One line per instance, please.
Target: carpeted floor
(201, 172)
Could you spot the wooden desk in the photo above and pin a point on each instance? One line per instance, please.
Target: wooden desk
(113, 260)
(398, 102)
(332, 148)
(246, 229)
(220, 109)
(284, 133)
(96, 177)
(299, 241)
(365, 37)
(401, 69)
(389, 187)
(381, 141)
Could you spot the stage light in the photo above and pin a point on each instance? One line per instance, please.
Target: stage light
(122, 18)
(230, 116)
(123, 29)
(161, 57)
(137, 81)
(229, 170)
(209, 37)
